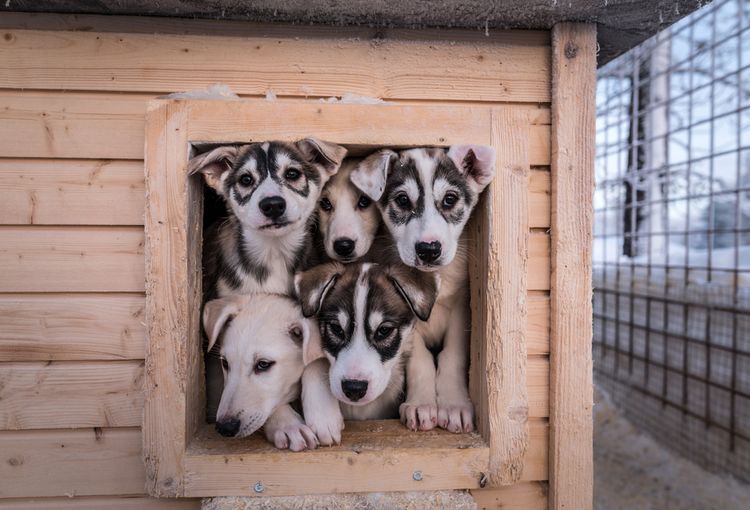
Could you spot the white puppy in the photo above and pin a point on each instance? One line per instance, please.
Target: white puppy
(261, 357)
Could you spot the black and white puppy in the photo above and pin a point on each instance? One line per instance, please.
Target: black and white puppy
(366, 314)
(347, 219)
(426, 196)
(271, 190)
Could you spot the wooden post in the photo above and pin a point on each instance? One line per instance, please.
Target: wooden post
(573, 128)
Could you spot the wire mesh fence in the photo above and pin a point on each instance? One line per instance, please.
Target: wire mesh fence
(672, 235)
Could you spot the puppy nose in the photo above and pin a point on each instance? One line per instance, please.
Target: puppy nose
(344, 246)
(228, 427)
(428, 252)
(354, 389)
(272, 207)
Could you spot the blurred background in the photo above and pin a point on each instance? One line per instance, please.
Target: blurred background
(672, 267)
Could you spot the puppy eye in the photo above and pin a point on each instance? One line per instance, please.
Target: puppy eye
(383, 332)
(263, 365)
(402, 200)
(224, 364)
(364, 202)
(336, 329)
(449, 200)
(325, 204)
(292, 174)
(246, 180)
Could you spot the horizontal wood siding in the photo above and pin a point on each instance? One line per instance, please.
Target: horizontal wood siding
(72, 116)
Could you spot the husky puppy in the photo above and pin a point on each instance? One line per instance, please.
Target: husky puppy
(261, 359)
(425, 197)
(366, 314)
(347, 218)
(271, 190)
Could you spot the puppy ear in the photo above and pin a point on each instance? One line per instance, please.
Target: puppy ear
(477, 162)
(418, 288)
(372, 172)
(217, 313)
(309, 339)
(214, 164)
(312, 285)
(324, 154)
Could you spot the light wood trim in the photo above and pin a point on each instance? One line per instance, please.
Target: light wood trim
(169, 317)
(111, 126)
(571, 394)
(520, 496)
(538, 262)
(291, 64)
(71, 259)
(537, 325)
(539, 198)
(47, 327)
(41, 463)
(71, 192)
(100, 503)
(61, 394)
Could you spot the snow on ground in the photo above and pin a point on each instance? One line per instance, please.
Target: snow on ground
(634, 472)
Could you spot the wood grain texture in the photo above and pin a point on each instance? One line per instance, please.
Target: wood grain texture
(520, 496)
(67, 259)
(571, 393)
(54, 327)
(71, 192)
(74, 394)
(481, 69)
(100, 503)
(39, 124)
(168, 301)
(537, 325)
(42, 463)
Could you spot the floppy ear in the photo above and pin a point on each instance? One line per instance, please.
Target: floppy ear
(372, 172)
(418, 288)
(312, 286)
(217, 313)
(477, 162)
(214, 164)
(327, 155)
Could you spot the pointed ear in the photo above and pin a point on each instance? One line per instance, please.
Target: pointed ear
(214, 164)
(312, 286)
(312, 346)
(217, 313)
(418, 288)
(372, 172)
(477, 162)
(326, 155)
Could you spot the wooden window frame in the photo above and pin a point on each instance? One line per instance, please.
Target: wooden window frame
(184, 457)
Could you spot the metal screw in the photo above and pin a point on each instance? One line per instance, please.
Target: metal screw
(417, 475)
(259, 487)
(483, 481)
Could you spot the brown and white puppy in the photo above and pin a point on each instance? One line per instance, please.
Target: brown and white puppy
(426, 196)
(366, 314)
(270, 190)
(261, 358)
(347, 218)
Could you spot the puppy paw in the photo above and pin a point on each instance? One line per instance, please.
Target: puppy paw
(455, 416)
(327, 426)
(418, 416)
(296, 437)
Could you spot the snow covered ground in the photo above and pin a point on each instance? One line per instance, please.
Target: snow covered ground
(634, 472)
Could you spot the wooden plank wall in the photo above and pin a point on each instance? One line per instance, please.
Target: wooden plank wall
(73, 94)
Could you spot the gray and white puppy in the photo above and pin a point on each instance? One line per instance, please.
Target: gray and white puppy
(261, 360)
(426, 196)
(348, 220)
(270, 190)
(366, 314)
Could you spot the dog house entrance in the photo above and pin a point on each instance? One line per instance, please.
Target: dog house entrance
(184, 456)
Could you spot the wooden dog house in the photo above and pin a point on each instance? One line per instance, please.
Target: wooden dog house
(74, 259)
